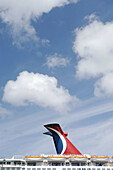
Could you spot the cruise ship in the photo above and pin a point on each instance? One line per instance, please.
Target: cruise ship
(68, 157)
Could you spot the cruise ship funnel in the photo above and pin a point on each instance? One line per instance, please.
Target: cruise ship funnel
(62, 143)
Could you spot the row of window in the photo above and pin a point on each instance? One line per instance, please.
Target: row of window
(70, 168)
(10, 163)
(56, 168)
(12, 168)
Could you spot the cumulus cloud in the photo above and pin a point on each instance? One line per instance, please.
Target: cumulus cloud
(38, 89)
(93, 44)
(104, 86)
(19, 14)
(56, 60)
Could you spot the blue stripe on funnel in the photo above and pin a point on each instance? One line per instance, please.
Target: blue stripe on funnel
(58, 142)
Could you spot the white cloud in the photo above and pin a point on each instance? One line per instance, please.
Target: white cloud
(104, 86)
(91, 18)
(18, 14)
(56, 60)
(38, 89)
(45, 42)
(93, 44)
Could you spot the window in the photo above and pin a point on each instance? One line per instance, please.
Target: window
(67, 163)
(31, 163)
(53, 168)
(74, 164)
(19, 163)
(63, 168)
(73, 168)
(83, 164)
(7, 168)
(83, 168)
(68, 168)
(28, 168)
(48, 168)
(18, 168)
(8, 163)
(39, 164)
(33, 168)
(55, 164)
(13, 168)
(38, 168)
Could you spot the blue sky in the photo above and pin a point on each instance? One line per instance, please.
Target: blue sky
(56, 65)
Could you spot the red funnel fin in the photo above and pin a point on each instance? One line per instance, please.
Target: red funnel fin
(62, 143)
